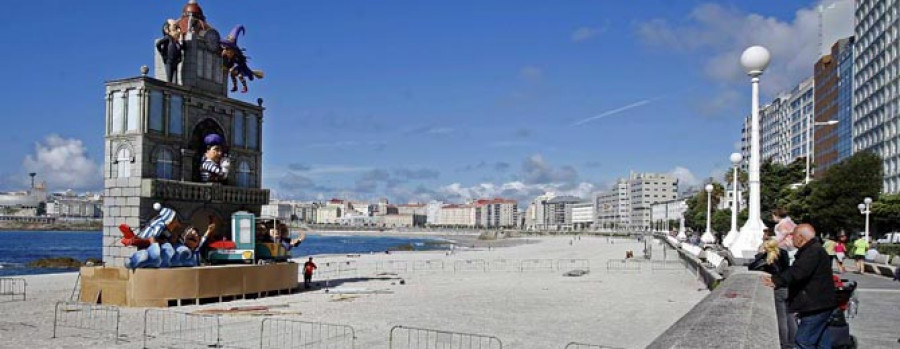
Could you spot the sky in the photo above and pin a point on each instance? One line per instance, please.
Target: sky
(421, 100)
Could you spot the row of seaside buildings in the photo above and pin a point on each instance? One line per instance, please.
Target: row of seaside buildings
(38, 202)
(856, 84)
(643, 201)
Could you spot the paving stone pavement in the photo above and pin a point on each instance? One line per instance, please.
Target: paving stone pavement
(876, 323)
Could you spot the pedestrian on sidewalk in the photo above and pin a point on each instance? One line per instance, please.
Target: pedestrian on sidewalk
(829, 245)
(860, 246)
(840, 250)
(810, 286)
(308, 268)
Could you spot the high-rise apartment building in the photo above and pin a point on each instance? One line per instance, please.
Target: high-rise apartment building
(495, 213)
(876, 87)
(613, 210)
(783, 126)
(646, 189)
(833, 100)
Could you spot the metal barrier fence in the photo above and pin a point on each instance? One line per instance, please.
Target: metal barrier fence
(172, 329)
(658, 266)
(504, 265)
(623, 265)
(239, 332)
(73, 319)
(574, 345)
(470, 265)
(392, 266)
(13, 288)
(403, 337)
(428, 265)
(348, 269)
(566, 265)
(536, 265)
(282, 333)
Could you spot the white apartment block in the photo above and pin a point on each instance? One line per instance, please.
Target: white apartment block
(583, 215)
(419, 209)
(612, 207)
(876, 85)
(536, 216)
(664, 212)
(454, 215)
(281, 210)
(783, 126)
(495, 213)
(74, 207)
(646, 189)
(329, 214)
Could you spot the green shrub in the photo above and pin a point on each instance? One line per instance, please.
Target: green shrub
(888, 249)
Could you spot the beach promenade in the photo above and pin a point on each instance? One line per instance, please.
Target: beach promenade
(517, 294)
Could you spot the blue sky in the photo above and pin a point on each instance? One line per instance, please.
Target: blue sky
(414, 100)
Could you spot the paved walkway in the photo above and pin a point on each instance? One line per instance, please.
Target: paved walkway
(877, 324)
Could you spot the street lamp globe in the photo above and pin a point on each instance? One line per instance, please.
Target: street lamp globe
(736, 158)
(709, 188)
(755, 59)
(867, 201)
(861, 207)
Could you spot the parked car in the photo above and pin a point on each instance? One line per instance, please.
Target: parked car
(890, 238)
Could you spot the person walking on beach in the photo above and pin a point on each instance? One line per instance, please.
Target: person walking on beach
(810, 286)
(308, 268)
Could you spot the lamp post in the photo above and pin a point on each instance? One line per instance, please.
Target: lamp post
(866, 208)
(736, 159)
(755, 59)
(810, 144)
(708, 237)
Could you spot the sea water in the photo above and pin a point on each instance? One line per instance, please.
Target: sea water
(17, 248)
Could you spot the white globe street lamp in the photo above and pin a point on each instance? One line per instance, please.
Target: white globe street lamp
(755, 59)
(736, 159)
(708, 237)
(866, 208)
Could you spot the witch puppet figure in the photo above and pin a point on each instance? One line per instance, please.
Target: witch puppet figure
(170, 48)
(234, 62)
(159, 243)
(215, 164)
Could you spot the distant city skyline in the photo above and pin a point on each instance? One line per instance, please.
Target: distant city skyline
(413, 102)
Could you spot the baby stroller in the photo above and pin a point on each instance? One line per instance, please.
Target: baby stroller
(847, 305)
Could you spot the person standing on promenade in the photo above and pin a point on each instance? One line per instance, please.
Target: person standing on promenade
(784, 225)
(774, 260)
(840, 250)
(308, 268)
(860, 245)
(829, 245)
(810, 286)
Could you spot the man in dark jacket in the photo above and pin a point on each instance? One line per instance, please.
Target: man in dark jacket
(810, 288)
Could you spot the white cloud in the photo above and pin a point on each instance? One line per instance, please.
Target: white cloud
(64, 164)
(531, 73)
(685, 177)
(515, 190)
(584, 34)
(722, 33)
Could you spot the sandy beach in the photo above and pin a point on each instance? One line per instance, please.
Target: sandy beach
(480, 290)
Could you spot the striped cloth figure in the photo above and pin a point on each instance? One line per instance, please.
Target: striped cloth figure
(163, 222)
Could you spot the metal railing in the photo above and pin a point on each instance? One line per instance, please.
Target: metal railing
(210, 192)
(77, 319)
(403, 337)
(168, 329)
(574, 345)
(623, 266)
(507, 265)
(470, 265)
(566, 265)
(283, 333)
(657, 266)
(536, 265)
(392, 266)
(428, 265)
(13, 288)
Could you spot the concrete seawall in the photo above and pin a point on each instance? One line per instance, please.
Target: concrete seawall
(740, 313)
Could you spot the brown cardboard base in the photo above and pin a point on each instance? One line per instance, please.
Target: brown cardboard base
(178, 286)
